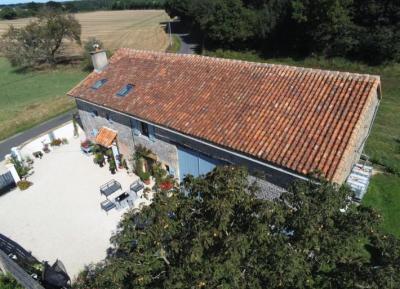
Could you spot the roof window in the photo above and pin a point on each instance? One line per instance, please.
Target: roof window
(125, 90)
(99, 83)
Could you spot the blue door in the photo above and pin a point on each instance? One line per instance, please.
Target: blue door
(194, 163)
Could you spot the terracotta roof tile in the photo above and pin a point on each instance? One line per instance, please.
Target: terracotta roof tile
(106, 137)
(297, 118)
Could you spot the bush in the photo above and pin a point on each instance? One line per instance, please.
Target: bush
(99, 159)
(8, 282)
(20, 167)
(24, 184)
(145, 176)
(85, 144)
(56, 142)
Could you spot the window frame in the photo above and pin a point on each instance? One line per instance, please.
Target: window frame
(94, 113)
(99, 83)
(144, 129)
(125, 90)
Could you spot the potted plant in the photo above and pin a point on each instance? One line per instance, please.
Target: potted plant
(146, 193)
(46, 148)
(145, 177)
(166, 185)
(113, 166)
(99, 159)
(86, 146)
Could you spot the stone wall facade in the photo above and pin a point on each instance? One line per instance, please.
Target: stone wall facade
(166, 152)
(166, 143)
(357, 141)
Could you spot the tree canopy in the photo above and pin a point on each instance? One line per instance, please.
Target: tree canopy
(42, 40)
(216, 234)
(362, 30)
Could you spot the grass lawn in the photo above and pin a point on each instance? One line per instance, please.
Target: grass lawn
(384, 195)
(27, 99)
(383, 146)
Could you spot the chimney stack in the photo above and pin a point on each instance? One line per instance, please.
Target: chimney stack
(99, 58)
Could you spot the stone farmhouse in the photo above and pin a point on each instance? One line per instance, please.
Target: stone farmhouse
(196, 112)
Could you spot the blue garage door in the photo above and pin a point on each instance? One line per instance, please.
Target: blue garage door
(194, 163)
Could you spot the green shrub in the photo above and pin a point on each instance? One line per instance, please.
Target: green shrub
(56, 142)
(24, 184)
(145, 176)
(8, 282)
(20, 167)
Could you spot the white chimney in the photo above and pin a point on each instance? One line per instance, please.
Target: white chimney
(99, 58)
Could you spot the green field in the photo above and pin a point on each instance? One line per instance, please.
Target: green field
(383, 144)
(28, 98)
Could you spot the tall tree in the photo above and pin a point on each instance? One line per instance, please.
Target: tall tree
(217, 234)
(42, 40)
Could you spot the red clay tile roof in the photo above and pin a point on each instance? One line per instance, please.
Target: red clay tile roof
(296, 118)
(106, 137)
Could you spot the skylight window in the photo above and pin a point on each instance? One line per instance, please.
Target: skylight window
(125, 90)
(99, 83)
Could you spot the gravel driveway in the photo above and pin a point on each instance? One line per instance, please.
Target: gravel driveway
(60, 215)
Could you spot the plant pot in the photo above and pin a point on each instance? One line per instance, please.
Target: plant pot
(147, 182)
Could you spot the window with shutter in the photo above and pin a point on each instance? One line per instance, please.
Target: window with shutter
(152, 136)
(135, 127)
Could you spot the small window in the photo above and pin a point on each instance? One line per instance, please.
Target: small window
(94, 113)
(144, 129)
(99, 83)
(109, 117)
(125, 90)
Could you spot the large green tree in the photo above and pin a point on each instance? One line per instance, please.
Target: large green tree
(363, 30)
(217, 234)
(42, 40)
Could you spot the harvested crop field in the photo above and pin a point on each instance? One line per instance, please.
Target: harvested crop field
(139, 29)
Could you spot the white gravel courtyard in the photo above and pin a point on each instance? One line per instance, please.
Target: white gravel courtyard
(60, 215)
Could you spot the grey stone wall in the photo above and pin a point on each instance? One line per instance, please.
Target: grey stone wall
(166, 147)
(166, 152)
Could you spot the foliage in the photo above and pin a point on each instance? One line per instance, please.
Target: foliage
(20, 167)
(99, 159)
(8, 282)
(176, 44)
(356, 29)
(34, 8)
(216, 234)
(87, 143)
(141, 152)
(56, 142)
(138, 158)
(88, 48)
(145, 176)
(24, 185)
(42, 40)
(8, 13)
(112, 165)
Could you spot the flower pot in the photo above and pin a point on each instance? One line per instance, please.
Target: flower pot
(147, 182)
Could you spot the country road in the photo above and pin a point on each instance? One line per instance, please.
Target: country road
(188, 46)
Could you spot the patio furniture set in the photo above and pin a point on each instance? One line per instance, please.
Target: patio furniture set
(117, 198)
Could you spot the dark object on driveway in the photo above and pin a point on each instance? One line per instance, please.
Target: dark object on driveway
(46, 148)
(38, 154)
(55, 276)
(107, 205)
(110, 188)
(122, 197)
